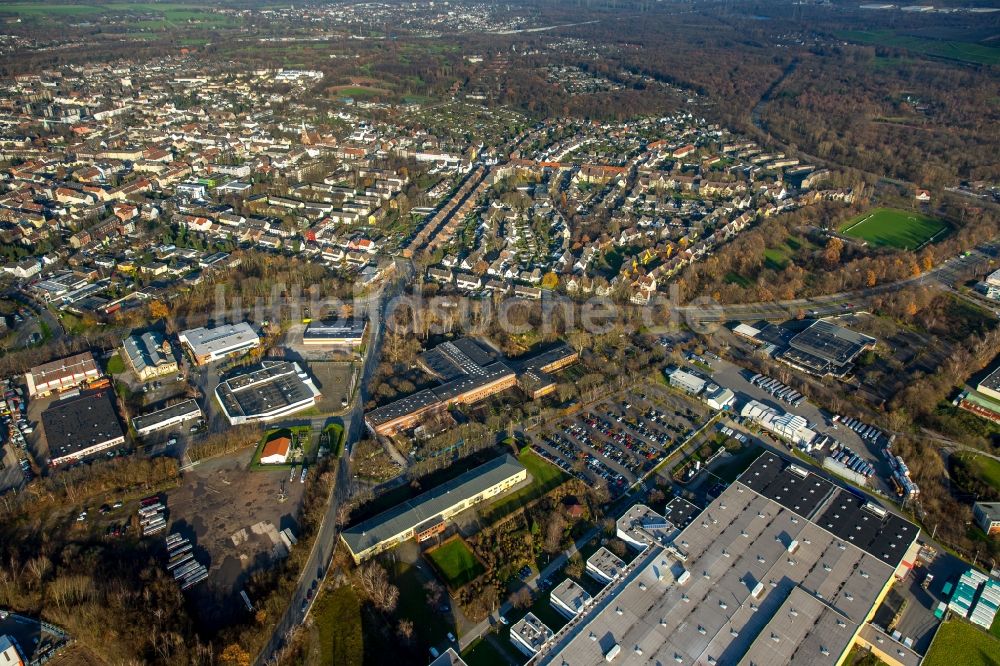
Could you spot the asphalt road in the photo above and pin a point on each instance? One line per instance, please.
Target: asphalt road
(949, 274)
(326, 540)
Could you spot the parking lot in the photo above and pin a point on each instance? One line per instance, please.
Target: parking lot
(912, 602)
(616, 441)
(335, 381)
(738, 379)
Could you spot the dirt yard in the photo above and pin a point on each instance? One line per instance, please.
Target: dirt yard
(233, 516)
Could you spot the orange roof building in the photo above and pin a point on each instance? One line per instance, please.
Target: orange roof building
(276, 451)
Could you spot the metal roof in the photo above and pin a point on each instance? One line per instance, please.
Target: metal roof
(430, 504)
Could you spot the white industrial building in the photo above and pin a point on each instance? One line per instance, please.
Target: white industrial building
(212, 344)
(718, 397)
(686, 381)
(161, 419)
(791, 427)
(529, 634)
(268, 391)
(569, 598)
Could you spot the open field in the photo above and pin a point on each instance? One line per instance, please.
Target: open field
(953, 50)
(456, 562)
(889, 227)
(337, 619)
(777, 258)
(985, 468)
(960, 642)
(232, 516)
(151, 16)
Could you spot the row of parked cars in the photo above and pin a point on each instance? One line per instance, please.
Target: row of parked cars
(865, 431)
(778, 390)
(12, 413)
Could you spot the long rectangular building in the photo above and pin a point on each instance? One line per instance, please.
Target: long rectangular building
(161, 419)
(427, 510)
(784, 567)
(208, 345)
(463, 390)
(470, 371)
(62, 375)
(348, 334)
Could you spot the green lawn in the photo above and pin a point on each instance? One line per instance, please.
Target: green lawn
(337, 615)
(544, 477)
(456, 563)
(941, 48)
(116, 365)
(432, 626)
(359, 92)
(985, 468)
(335, 438)
(481, 652)
(960, 642)
(889, 227)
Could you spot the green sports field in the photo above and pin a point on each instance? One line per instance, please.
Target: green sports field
(961, 642)
(456, 562)
(889, 227)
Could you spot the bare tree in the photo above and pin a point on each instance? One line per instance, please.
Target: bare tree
(376, 586)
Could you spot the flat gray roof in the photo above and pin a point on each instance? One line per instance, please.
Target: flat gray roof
(992, 381)
(348, 329)
(80, 422)
(833, 344)
(991, 510)
(606, 562)
(531, 631)
(205, 341)
(646, 526)
(570, 594)
(188, 408)
(430, 504)
(804, 630)
(740, 543)
(271, 385)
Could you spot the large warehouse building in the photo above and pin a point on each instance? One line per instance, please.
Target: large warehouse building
(270, 390)
(62, 375)
(826, 349)
(208, 345)
(426, 513)
(783, 568)
(80, 426)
